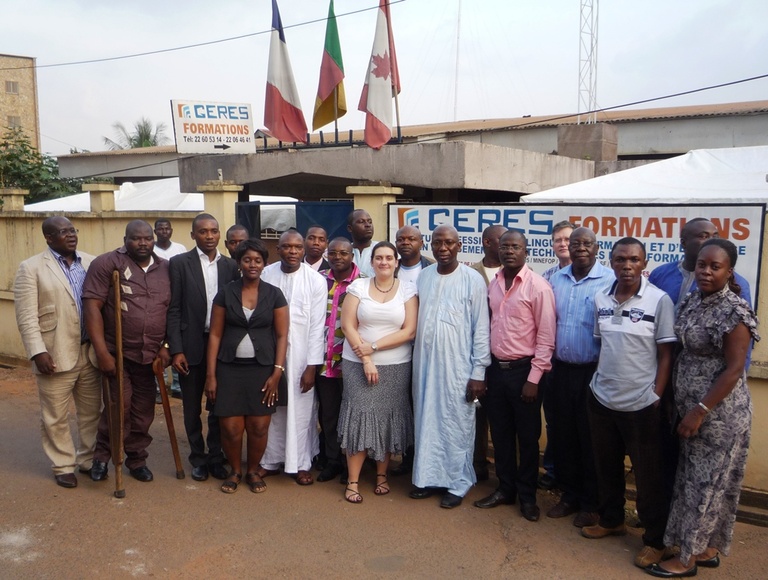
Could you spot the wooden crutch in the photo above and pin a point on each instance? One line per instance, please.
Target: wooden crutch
(116, 409)
(157, 367)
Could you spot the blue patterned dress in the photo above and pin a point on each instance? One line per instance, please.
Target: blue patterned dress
(711, 464)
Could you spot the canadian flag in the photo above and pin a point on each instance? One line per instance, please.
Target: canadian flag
(382, 82)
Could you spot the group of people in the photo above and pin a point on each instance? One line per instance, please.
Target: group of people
(392, 353)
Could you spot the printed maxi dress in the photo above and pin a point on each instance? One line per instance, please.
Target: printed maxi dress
(711, 464)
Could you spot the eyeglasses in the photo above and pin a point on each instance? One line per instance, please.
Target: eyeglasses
(339, 254)
(512, 248)
(67, 232)
(576, 245)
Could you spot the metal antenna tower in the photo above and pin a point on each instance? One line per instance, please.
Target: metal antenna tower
(588, 61)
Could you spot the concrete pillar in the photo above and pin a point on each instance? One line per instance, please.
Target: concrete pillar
(12, 198)
(220, 197)
(593, 142)
(374, 198)
(102, 196)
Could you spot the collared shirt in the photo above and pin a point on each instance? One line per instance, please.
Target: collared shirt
(334, 336)
(363, 259)
(76, 276)
(629, 333)
(575, 307)
(144, 301)
(523, 320)
(549, 272)
(316, 265)
(211, 276)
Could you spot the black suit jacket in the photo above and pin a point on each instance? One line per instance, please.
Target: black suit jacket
(186, 314)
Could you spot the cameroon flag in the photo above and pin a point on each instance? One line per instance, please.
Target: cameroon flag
(331, 103)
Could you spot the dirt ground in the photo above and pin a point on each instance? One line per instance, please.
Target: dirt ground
(174, 528)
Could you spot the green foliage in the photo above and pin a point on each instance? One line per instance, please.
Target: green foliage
(144, 134)
(22, 166)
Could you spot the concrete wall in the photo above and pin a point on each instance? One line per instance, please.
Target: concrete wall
(20, 70)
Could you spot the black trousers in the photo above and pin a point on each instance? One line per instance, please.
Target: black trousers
(514, 424)
(574, 460)
(329, 392)
(192, 391)
(614, 434)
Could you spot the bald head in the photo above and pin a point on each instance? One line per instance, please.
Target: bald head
(445, 248)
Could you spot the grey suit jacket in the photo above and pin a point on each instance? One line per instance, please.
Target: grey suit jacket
(46, 311)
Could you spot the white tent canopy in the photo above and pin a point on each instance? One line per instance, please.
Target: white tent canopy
(165, 195)
(736, 175)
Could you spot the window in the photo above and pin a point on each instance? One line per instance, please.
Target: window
(14, 122)
(12, 87)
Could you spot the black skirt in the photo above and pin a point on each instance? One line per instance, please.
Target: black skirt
(239, 389)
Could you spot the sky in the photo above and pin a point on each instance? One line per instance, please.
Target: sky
(515, 57)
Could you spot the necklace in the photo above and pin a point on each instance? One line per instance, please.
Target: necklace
(384, 291)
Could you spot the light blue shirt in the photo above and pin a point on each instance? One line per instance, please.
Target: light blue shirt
(575, 306)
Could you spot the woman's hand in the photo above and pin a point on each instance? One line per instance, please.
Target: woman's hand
(691, 423)
(371, 372)
(270, 390)
(210, 389)
(363, 349)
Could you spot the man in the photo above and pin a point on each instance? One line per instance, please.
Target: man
(164, 247)
(635, 324)
(329, 381)
(235, 235)
(293, 436)
(488, 267)
(522, 341)
(561, 235)
(315, 245)
(145, 297)
(451, 351)
(360, 227)
(409, 243)
(47, 295)
(196, 277)
(575, 361)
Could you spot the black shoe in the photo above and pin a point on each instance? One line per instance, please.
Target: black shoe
(176, 394)
(330, 471)
(99, 470)
(493, 500)
(422, 492)
(84, 470)
(481, 472)
(67, 480)
(450, 501)
(200, 473)
(530, 511)
(547, 482)
(405, 467)
(659, 572)
(218, 470)
(142, 474)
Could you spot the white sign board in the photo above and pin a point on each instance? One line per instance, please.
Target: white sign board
(658, 226)
(201, 127)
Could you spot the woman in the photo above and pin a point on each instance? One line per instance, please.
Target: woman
(246, 362)
(379, 321)
(714, 326)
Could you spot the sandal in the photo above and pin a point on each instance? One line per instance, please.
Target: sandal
(352, 495)
(304, 478)
(267, 472)
(380, 489)
(230, 486)
(256, 485)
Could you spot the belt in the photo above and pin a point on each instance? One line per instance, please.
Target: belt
(575, 365)
(512, 364)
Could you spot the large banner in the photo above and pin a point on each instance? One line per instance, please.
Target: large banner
(658, 226)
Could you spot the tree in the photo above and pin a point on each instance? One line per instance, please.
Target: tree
(143, 135)
(22, 166)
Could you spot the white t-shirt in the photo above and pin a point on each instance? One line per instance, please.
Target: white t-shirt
(377, 320)
(173, 250)
(409, 273)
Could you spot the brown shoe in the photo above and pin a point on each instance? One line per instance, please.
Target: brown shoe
(561, 510)
(67, 480)
(649, 555)
(584, 519)
(597, 531)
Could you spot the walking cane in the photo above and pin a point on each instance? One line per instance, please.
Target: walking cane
(116, 409)
(157, 367)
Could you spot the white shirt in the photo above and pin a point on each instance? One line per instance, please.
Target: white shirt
(211, 275)
(409, 273)
(173, 250)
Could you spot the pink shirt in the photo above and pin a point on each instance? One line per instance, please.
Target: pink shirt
(523, 320)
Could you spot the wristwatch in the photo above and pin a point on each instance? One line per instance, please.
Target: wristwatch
(374, 346)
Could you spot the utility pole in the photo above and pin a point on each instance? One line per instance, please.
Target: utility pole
(588, 61)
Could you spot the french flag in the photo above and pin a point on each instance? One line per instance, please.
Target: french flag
(282, 110)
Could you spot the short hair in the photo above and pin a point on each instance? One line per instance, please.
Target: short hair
(518, 232)
(316, 227)
(351, 216)
(237, 228)
(162, 220)
(384, 244)
(254, 244)
(339, 239)
(200, 217)
(693, 221)
(733, 254)
(487, 231)
(628, 241)
(561, 226)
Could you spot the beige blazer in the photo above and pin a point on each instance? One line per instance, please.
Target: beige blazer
(46, 312)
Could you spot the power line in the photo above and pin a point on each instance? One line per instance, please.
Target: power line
(197, 45)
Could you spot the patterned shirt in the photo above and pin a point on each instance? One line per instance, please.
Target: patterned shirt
(334, 340)
(76, 276)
